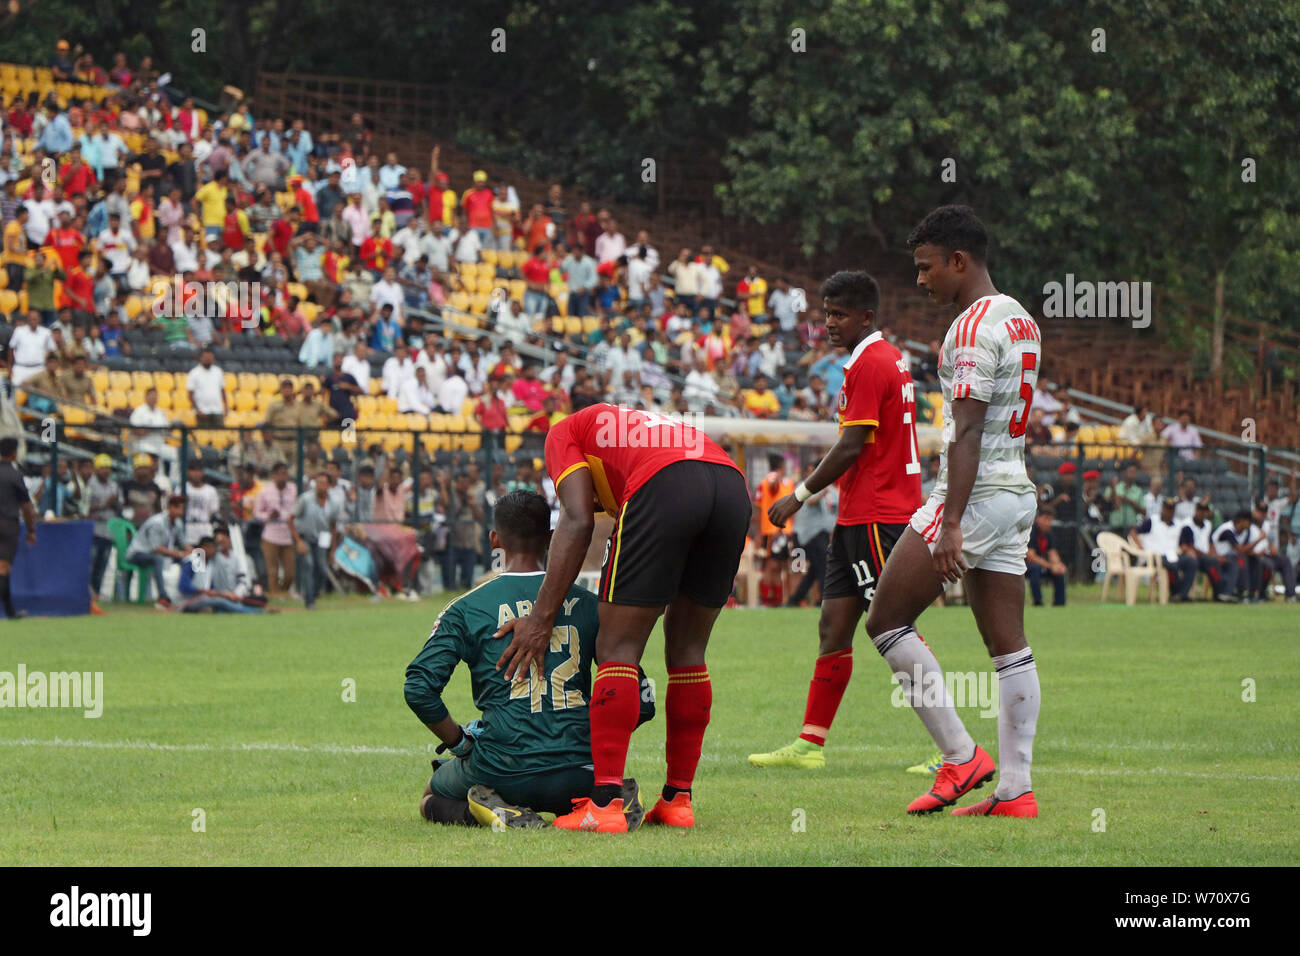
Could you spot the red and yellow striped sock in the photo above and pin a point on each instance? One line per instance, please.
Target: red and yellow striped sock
(688, 701)
(825, 691)
(615, 706)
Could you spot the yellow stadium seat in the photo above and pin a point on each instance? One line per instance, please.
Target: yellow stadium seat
(165, 400)
(99, 378)
(116, 398)
(246, 382)
(387, 405)
(267, 382)
(188, 417)
(479, 304)
(417, 422)
(486, 271)
(490, 256)
(457, 300)
(181, 399)
(573, 325)
(455, 423)
(231, 381)
(245, 401)
(309, 311)
(329, 439)
(142, 380)
(517, 289)
(513, 442)
(590, 323)
(298, 289)
(472, 442)
(221, 439)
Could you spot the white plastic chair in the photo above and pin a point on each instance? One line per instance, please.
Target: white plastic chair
(1134, 566)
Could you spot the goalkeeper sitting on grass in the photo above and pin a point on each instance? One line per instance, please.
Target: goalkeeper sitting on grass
(531, 750)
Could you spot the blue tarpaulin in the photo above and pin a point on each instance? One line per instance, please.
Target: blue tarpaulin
(53, 578)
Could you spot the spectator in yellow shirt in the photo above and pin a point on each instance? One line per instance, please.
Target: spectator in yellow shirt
(761, 401)
(210, 204)
(754, 289)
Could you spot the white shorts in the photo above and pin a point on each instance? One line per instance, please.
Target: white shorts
(994, 532)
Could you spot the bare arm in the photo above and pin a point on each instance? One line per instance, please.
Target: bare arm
(569, 545)
(838, 460)
(963, 464)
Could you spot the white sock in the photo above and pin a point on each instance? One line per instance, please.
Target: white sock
(908, 657)
(1018, 701)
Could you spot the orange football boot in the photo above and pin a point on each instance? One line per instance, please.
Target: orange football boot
(676, 812)
(953, 781)
(585, 815)
(1022, 806)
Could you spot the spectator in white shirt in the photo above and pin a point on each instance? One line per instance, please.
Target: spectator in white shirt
(771, 356)
(116, 245)
(202, 503)
(388, 291)
(185, 253)
(37, 225)
(29, 344)
(1182, 435)
(638, 280)
(560, 374)
(434, 362)
(415, 395)
(469, 246)
(358, 367)
(454, 391)
(206, 383)
(647, 251)
(1138, 428)
(610, 244)
(685, 272)
(399, 368)
(511, 321)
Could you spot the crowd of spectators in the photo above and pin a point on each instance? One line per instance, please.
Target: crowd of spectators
(352, 252)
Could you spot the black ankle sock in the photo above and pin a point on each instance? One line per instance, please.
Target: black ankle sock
(5, 597)
(605, 792)
(670, 792)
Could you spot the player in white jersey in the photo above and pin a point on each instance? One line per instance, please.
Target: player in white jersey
(975, 525)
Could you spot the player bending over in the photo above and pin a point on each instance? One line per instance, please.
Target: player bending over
(531, 751)
(681, 510)
(975, 526)
(878, 466)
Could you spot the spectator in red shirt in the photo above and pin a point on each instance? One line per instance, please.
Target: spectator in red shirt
(19, 119)
(78, 292)
(376, 252)
(307, 203)
(477, 203)
(284, 229)
(290, 323)
(528, 390)
(77, 178)
(66, 240)
(538, 229)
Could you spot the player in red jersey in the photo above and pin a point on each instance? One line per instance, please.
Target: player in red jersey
(877, 463)
(681, 510)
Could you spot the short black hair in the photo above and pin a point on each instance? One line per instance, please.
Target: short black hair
(1243, 516)
(952, 228)
(8, 446)
(207, 539)
(855, 290)
(523, 518)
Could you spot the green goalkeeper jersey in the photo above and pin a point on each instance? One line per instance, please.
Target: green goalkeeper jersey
(533, 724)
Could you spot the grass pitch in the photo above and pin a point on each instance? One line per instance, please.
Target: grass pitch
(1146, 753)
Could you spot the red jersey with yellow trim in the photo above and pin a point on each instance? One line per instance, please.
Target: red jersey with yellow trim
(624, 448)
(884, 485)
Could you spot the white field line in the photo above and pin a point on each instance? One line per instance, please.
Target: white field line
(366, 751)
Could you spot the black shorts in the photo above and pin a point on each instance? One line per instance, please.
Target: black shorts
(9, 531)
(856, 556)
(682, 532)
